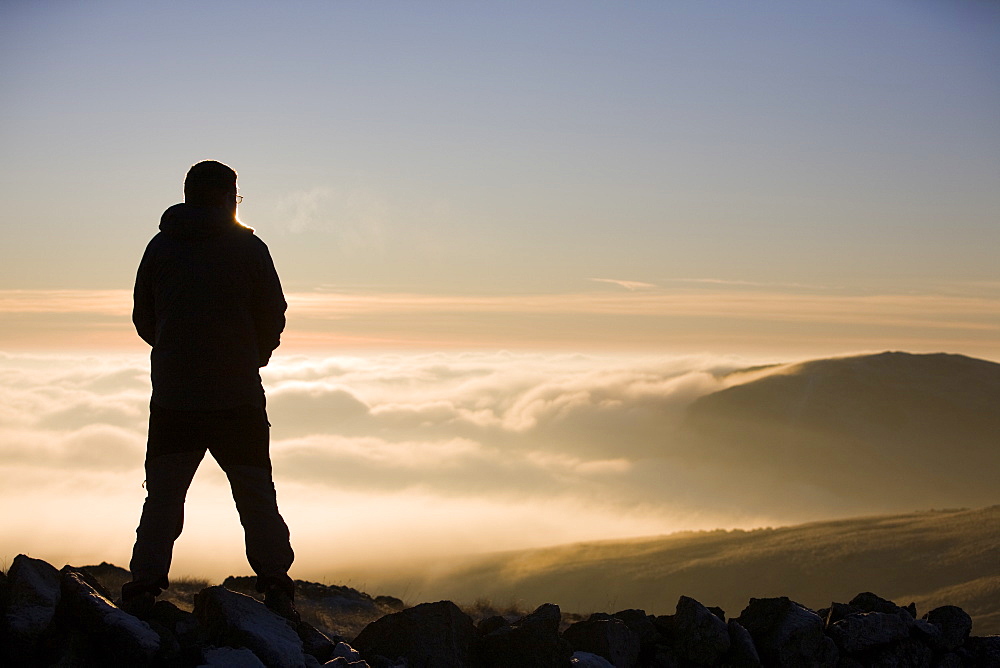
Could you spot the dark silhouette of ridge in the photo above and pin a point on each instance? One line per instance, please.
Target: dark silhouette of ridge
(931, 558)
(890, 431)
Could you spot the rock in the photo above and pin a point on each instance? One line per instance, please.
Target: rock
(862, 631)
(664, 625)
(605, 636)
(334, 598)
(491, 624)
(588, 660)
(181, 623)
(928, 634)
(700, 636)
(531, 642)
(787, 634)
(112, 576)
(433, 634)
(382, 662)
(345, 651)
(955, 625)
(742, 652)
(315, 643)
(229, 657)
(116, 636)
(982, 651)
(950, 660)
(341, 662)
(237, 620)
(869, 602)
(390, 602)
(664, 658)
(836, 612)
(908, 653)
(33, 593)
(641, 624)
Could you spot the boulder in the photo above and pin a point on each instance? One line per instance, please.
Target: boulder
(230, 657)
(955, 625)
(928, 634)
(115, 636)
(869, 602)
(863, 631)
(742, 652)
(530, 642)
(605, 636)
(981, 651)
(588, 660)
(786, 633)
(432, 634)
(699, 636)
(336, 599)
(314, 642)
(950, 660)
(836, 612)
(344, 651)
(237, 620)
(490, 624)
(181, 624)
(33, 593)
(908, 653)
(664, 658)
(641, 624)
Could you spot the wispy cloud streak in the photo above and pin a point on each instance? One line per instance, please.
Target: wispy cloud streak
(645, 316)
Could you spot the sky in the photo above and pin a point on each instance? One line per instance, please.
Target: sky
(555, 198)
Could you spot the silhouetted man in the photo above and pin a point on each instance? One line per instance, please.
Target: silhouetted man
(208, 300)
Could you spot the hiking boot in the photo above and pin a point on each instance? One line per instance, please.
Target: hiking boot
(279, 601)
(138, 599)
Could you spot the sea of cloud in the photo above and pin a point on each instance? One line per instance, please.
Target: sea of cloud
(384, 458)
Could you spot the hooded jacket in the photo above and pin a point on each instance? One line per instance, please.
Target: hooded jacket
(208, 300)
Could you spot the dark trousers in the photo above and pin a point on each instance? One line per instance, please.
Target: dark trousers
(238, 439)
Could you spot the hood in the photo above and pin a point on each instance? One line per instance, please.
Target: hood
(189, 221)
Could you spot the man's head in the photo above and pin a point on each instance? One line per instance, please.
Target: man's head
(210, 183)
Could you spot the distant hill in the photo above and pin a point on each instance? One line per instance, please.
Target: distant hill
(944, 557)
(890, 432)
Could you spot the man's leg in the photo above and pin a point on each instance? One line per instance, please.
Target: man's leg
(168, 478)
(269, 550)
(242, 450)
(174, 449)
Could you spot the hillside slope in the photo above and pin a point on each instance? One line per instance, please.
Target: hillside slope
(932, 558)
(890, 432)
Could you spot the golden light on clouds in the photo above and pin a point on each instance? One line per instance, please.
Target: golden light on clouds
(682, 320)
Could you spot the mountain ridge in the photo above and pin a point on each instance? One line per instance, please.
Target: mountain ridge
(932, 557)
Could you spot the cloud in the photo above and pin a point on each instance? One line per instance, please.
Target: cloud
(631, 286)
(544, 436)
(98, 302)
(356, 216)
(743, 319)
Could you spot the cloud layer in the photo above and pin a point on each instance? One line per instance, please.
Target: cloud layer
(748, 319)
(443, 453)
(549, 447)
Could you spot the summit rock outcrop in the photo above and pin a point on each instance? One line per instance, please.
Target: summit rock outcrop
(66, 617)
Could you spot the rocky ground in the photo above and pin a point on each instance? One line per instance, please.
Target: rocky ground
(67, 617)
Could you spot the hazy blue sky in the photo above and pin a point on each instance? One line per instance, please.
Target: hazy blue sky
(501, 149)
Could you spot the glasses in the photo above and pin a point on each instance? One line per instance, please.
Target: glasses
(239, 199)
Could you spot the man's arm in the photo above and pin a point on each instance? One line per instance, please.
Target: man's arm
(143, 307)
(269, 308)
